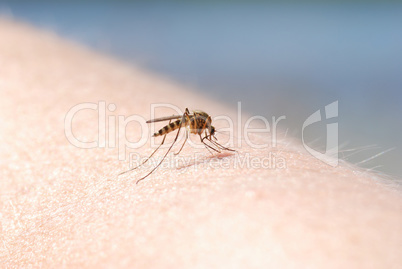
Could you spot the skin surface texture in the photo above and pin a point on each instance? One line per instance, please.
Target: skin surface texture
(65, 206)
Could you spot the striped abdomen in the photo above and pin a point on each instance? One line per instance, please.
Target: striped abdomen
(169, 128)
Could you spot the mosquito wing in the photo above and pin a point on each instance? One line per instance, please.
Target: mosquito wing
(174, 117)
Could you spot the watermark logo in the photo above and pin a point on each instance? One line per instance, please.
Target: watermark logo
(197, 161)
(110, 136)
(112, 130)
(330, 156)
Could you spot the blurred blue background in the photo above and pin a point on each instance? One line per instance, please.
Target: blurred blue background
(276, 58)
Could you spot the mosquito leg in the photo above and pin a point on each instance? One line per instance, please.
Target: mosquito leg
(216, 144)
(164, 156)
(220, 146)
(208, 146)
(186, 115)
(183, 143)
(150, 156)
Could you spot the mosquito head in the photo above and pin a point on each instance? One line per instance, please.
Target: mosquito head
(212, 132)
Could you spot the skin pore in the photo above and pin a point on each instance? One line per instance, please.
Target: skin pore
(64, 206)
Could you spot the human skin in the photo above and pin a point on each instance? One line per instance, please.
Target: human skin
(64, 206)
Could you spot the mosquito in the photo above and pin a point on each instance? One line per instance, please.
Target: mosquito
(198, 122)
